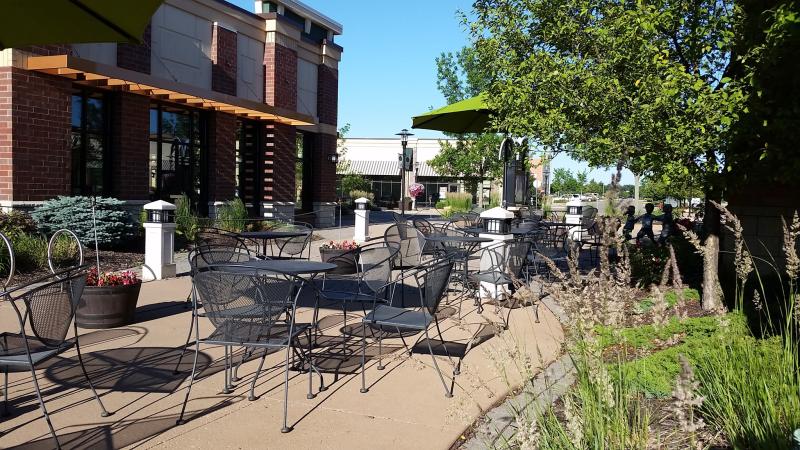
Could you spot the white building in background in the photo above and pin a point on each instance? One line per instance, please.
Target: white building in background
(377, 161)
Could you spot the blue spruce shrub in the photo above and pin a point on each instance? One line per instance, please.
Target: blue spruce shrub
(114, 223)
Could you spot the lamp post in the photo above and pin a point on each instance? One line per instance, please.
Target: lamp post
(404, 167)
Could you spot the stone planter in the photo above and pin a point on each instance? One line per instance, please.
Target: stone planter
(107, 306)
(345, 266)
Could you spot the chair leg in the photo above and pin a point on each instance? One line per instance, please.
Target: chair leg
(363, 389)
(457, 370)
(186, 345)
(252, 395)
(180, 420)
(286, 428)
(44, 410)
(103, 412)
(380, 352)
(5, 391)
(311, 394)
(228, 384)
(447, 391)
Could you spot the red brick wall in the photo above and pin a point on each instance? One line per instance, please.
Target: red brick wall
(324, 179)
(280, 76)
(327, 94)
(5, 133)
(130, 144)
(223, 60)
(135, 56)
(41, 134)
(280, 153)
(221, 156)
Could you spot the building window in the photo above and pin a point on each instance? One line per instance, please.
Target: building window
(269, 7)
(294, 17)
(317, 33)
(177, 155)
(89, 139)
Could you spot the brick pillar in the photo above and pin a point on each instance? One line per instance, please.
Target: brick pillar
(40, 137)
(135, 56)
(324, 180)
(280, 76)
(280, 153)
(130, 146)
(223, 60)
(221, 159)
(5, 135)
(327, 94)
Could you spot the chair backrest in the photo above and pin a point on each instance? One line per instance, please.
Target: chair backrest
(236, 299)
(458, 221)
(293, 246)
(589, 212)
(424, 226)
(203, 256)
(375, 266)
(472, 218)
(220, 238)
(49, 306)
(408, 240)
(516, 257)
(432, 283)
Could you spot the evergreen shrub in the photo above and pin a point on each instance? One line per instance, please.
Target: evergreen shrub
(114, 223)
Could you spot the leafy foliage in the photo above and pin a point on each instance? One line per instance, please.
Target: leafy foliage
(355, 182)
(114, 223)
(232, 215)
(14, 223)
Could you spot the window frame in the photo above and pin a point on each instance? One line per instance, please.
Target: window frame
(80, 186)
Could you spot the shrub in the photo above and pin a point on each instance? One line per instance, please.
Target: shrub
(457, 201)
(14, 223)
(232, 215)
(186, 221)
(354, 182)
(113, 223)
(30, 252)
(356, 194)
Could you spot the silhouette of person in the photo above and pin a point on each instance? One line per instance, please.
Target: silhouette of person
(647, 224)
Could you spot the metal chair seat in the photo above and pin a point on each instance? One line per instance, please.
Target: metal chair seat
(390, 316)
(490, 277)
(250, 334)
(13, 354)
(345, 296)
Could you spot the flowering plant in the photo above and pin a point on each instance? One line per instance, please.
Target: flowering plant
(343, 245)
(416, 189)
(126, 278)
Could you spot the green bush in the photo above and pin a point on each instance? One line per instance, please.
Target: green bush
(232, 215)
(30, 252)
(457, 201)
(355, 182)
(356, 194)
(14, 223)
(186, 221)
(114, 224)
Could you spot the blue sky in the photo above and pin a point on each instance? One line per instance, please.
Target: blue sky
(388, 70)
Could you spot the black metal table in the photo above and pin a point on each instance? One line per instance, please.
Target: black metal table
(266, 236)
(463, 256)
(289, 266)
(516, 231)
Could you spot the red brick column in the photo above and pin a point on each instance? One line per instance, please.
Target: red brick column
(280, 76)
(324, 180)
(135, 56)
(40, 135)
(221, 157)
(223, 60)
(5, 134)
(130, 146)
(327, 94)
(280, 153)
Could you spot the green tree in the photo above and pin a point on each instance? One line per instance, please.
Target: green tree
(564, 182)
(656, 86)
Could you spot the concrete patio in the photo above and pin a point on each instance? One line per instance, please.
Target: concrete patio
(132, 367)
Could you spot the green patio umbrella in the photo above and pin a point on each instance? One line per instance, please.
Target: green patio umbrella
(467, 116)
(41, 22)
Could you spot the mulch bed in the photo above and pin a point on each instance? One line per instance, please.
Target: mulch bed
(110, 261)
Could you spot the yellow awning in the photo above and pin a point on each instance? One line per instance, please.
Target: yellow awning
(91, 73)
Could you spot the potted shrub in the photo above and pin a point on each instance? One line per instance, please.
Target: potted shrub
(109, 299)
(331, 252)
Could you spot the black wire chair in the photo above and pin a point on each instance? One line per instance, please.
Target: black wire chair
(432, 284)
(254, 309)
(294, 247)
(44, 309)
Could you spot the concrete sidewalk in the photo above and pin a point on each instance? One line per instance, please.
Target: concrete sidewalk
(405, 407)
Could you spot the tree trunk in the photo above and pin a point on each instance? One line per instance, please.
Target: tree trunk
(712, 295)
(636, 184)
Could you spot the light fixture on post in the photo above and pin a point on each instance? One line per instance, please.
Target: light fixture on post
(405, 167)
(334, 158)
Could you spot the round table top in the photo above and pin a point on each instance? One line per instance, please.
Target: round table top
(466, 239)
(268, 234)
(290, 266)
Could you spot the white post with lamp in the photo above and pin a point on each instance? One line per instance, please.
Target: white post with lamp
(159, 248)
(497, 227)
(361, 232)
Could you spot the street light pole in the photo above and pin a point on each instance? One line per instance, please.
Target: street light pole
(404, 167)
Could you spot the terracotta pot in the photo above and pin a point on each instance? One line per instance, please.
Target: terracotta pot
(346, 265)
(107, 306)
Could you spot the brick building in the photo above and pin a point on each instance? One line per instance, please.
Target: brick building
(216, 102)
